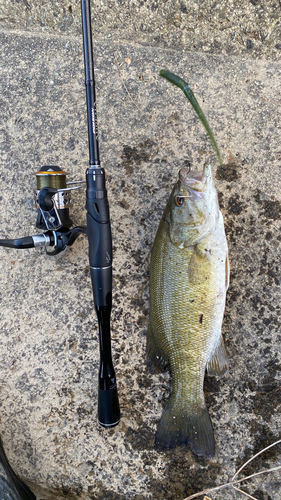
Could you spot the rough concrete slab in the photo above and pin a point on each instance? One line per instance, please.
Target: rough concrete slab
(49, 355)
(251, 28)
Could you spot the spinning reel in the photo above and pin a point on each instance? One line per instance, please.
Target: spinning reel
(53, 200)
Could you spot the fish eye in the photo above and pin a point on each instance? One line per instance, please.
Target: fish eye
(179, 201)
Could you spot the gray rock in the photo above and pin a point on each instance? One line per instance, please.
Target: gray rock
(49, 342)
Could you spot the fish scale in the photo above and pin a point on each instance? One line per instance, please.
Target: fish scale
(188, 284)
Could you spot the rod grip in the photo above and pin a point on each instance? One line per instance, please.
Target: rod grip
(102, 286)
(100, 244)
(108, 407)
(99, 232)
(100, 256)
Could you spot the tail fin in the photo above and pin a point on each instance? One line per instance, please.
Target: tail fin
(178, 427)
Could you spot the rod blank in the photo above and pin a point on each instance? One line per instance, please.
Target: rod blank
(90, 84)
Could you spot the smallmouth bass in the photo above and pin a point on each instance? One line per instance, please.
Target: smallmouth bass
(189, 277)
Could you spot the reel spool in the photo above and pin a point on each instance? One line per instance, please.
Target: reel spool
(53, 199)
(53, 177)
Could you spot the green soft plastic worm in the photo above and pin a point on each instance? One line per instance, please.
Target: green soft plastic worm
(179, 82)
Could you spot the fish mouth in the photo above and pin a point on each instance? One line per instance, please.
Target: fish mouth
(194, 179)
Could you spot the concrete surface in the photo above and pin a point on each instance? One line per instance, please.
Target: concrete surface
(48, 331)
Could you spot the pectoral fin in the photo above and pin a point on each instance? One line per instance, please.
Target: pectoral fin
(199, 268)
(218, 363)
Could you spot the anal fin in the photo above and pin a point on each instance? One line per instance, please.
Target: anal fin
(218, 363)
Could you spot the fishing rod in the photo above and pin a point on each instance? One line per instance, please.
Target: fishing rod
(53, 201)
(100, 240)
